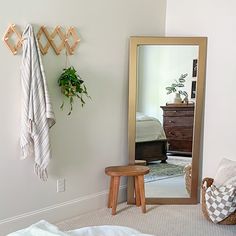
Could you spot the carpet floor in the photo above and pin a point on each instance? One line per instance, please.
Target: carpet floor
(164, 220)
(174, 167)
(171, 187)
(160, 171)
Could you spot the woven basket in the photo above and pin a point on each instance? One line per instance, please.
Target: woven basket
(230, 220)
(188, 178)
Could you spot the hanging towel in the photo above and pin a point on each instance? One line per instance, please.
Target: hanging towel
(37, 113)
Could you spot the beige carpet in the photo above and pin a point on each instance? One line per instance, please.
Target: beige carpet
(159, 220)
(170, 187)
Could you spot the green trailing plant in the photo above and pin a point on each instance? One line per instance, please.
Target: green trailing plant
(178, 85)
(72, 86)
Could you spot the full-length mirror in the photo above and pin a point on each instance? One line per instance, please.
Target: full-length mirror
(165, 113)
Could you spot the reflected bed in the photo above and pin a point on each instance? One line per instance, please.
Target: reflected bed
(150, 139)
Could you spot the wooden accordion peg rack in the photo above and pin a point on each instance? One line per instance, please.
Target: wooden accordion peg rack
(69, 40)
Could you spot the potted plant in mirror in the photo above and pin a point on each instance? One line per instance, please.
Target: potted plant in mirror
(72, 86)
(177, 88)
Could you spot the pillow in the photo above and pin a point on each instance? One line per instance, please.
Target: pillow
(226, 173)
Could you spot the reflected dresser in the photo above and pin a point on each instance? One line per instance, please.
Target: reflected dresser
(178, 125)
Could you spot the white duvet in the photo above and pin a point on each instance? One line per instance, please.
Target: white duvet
(148, 128)
(43, 228)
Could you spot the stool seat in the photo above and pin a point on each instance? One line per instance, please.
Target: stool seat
(135, 171)
(132, 170)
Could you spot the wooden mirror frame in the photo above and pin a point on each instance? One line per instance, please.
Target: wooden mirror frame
(198, 112)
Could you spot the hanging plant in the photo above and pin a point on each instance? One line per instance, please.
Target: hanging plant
(72, 86)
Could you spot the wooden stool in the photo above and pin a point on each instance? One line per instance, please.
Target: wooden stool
(135, 171)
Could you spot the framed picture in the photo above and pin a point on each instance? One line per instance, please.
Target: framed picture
(194, 73)
(193, 89)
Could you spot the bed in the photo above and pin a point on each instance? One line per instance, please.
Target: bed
(151, 142)
(43, 228)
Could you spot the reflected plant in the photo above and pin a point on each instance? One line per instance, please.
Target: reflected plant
(178, 85)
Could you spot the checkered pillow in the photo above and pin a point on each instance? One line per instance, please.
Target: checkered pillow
(226, 173)
(220, 202)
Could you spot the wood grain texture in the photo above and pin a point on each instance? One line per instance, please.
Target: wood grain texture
(110, 196)
(130, 170)
(135, 171)
(137, 191)
(69, 40)
(178, 125)
(116, 184)
(142, 192)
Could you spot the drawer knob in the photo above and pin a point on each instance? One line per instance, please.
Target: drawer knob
(171, 121)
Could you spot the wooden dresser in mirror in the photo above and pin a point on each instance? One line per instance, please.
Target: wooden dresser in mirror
(178, 125)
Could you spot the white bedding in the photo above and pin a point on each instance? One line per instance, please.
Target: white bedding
(43, 228)
(148, 128)
(106, 230)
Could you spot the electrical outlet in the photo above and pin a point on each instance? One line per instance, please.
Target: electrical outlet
(61, 185)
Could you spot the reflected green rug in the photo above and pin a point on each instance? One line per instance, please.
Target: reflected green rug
(162, 171)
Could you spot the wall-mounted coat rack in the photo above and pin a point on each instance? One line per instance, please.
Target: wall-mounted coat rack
(69, 40)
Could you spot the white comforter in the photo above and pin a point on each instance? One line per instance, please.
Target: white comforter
(43, 228)
(148, 128)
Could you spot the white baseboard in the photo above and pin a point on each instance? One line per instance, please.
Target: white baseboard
(59, 212)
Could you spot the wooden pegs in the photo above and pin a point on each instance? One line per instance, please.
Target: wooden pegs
(57, 31)
(43, 50)
(50, 37)
(72, 33)
(7, 39)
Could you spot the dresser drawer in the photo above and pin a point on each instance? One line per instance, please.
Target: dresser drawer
(178, 125)
(179, 133)
(174, 121)
(177, 112)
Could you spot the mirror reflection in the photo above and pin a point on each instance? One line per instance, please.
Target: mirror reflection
(165, 102)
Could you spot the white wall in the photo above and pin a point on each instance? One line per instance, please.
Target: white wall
(93, 137)
(159, 67)
(217, 21)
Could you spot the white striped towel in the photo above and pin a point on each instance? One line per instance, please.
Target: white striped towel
(37, 113)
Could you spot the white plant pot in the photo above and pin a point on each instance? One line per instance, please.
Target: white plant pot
(177, 99)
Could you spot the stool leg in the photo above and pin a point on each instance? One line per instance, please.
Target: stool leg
(110, 197)
(116, 185)
(137, 191)
(142, 192)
